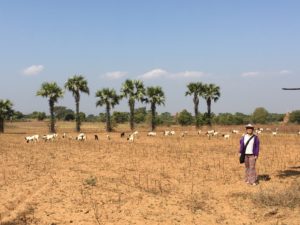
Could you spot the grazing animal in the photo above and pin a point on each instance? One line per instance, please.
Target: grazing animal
(135, 133)
(32, 138)
(166, 133)
(29, 139)
(226, 136)
(130, 138)
(64, 135)
(182, 134)
(215, 133)
(122, 134)
(199, 132)
(49, 137)
(274, 133)
(172, 132)
(96, 137)
(258, 131)
(151, 133)
(298, 132)
(210, 132)
(235, 131)
(81, 137)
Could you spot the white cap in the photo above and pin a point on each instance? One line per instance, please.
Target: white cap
(249, 125)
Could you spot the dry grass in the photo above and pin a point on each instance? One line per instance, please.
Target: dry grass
(155, 180)
(284, 197)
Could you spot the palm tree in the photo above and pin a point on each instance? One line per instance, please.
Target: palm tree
(77, 84)
(155, 96)
(133, 90)
(109, 98)
(211, 93)
(197, 90)
(5, 111)
(53, 92)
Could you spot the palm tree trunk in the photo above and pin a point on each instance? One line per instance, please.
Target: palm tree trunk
(77, 99)
(1, 125)
(153, 119)
(209, 111)
(196, 105)
(131, 106)
(108, 122)
(52, 119)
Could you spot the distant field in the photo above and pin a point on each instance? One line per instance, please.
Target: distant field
(155, 180)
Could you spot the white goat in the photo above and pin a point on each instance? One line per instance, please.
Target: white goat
(226, 136)
(151, 133)
(49, 137)
(33, 138)
(131, 138)
(274, 133)
(81, 137)
(210, 132)
(166, 133)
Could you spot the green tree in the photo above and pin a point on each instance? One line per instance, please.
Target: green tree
(166, 118)
(211, 93)
(61, 112)
(102, 117)
(109, 98)
(41, 116)
(196, 90)
(17, 115)
(133, 90)
(82, 116)
(276, 117)
(120, 117)
(5, 112)
(295, 117)
(53, 92)
(77, 84)
(92, 118)
(140, 115)
(185, 118)
(155, 96)
(260, 115)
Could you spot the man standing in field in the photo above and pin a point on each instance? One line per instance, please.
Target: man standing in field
(249, 145)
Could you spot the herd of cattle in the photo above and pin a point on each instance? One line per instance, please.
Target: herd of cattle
(132, 136)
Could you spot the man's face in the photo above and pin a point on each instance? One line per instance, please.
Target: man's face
(249, 131)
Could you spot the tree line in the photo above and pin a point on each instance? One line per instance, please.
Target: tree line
(135, 91)
(132, 90)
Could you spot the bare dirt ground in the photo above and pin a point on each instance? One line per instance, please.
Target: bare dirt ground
(155, 180)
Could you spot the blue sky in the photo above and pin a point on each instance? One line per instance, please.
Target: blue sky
(249, 48)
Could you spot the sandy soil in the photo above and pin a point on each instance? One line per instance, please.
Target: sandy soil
(155, 180)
